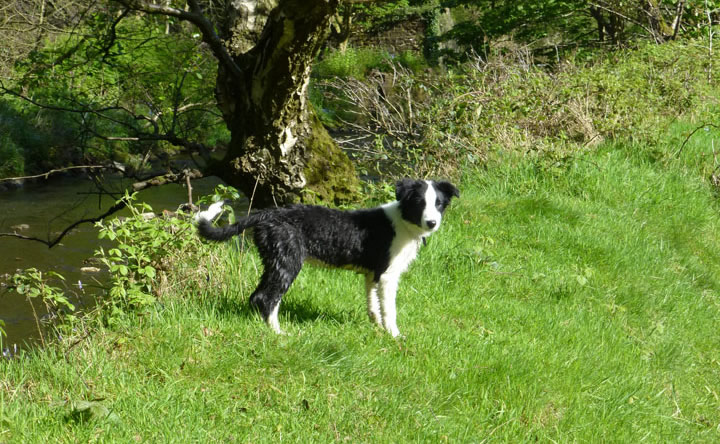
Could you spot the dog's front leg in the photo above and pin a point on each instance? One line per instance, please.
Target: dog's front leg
(373, 302)
(388, 289)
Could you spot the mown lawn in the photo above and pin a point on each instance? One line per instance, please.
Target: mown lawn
(563, 302)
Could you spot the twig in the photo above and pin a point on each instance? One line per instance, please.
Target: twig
(692, 133)
(189, 187)
(56, 170)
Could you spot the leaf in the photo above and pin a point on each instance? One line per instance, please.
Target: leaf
(57, 275)
(84, 411)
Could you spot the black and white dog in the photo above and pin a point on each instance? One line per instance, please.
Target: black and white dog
(378, 242)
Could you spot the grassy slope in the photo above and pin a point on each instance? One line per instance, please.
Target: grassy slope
(579, 304)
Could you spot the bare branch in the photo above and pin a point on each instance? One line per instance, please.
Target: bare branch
(56, 170)
(157, 181)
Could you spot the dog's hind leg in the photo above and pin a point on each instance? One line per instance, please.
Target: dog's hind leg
(268, 295)
(373, 302)
(282, 258)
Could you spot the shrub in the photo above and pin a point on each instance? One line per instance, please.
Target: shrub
(433, 123)
(145, 248)
(350, 63)
(12, 162)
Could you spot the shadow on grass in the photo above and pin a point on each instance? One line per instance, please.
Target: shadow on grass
(295, 310)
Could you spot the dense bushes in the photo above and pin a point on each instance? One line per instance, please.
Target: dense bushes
(434, 122)
(35, 140)
(84, 100)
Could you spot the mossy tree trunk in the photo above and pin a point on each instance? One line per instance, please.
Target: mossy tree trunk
(278, 147)
(265, 50)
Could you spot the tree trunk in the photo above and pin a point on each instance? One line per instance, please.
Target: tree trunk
(597, 14)
(659, 28)
(275, 137)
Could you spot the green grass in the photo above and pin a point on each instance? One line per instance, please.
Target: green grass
(576, 302)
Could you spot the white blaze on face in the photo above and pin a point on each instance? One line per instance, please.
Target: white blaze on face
(431, 216)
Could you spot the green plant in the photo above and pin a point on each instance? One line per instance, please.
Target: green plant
(350, 63)
(145, 248)
(12, 162)
(34, 285)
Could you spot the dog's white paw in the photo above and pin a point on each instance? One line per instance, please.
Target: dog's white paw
(394, 332)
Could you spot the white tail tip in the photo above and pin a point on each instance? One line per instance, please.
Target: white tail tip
(211, 213)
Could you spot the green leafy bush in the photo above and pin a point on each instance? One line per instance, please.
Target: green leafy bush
(146, 247)
(12, 162)
(152, 252)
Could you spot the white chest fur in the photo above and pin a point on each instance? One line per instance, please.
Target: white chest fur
(405, 244)
(402, 252)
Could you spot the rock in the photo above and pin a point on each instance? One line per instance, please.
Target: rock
(90, 269)
(14, 184)
(92, 261)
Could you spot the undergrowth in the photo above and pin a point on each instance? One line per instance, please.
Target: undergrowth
(396, 121)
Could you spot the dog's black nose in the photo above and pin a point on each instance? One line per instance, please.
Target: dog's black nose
(431, 223)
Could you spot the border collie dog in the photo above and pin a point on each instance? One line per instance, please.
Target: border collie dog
(378, 242)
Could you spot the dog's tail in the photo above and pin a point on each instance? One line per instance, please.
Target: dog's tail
(206, 229)
(209, 232)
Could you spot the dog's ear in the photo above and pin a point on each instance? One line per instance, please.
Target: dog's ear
(448, 189)
(403, 188)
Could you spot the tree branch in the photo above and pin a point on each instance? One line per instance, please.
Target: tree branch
(157, 181)
(56, 170)
(197, 18)
(100, 112)
(692, 133)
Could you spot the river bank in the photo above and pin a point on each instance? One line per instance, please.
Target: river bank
(40, 209)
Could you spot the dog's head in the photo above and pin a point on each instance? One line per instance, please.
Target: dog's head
(422, 202)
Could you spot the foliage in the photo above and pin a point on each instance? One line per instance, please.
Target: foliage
(149, 251)
(350, 63)
(126, 83)
(12, 162)
(434, 123)
(34, 140)
(35, 286)
(484, 21)
(549, 28)
(145, 249)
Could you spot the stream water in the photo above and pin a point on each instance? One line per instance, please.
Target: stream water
(43, 210)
